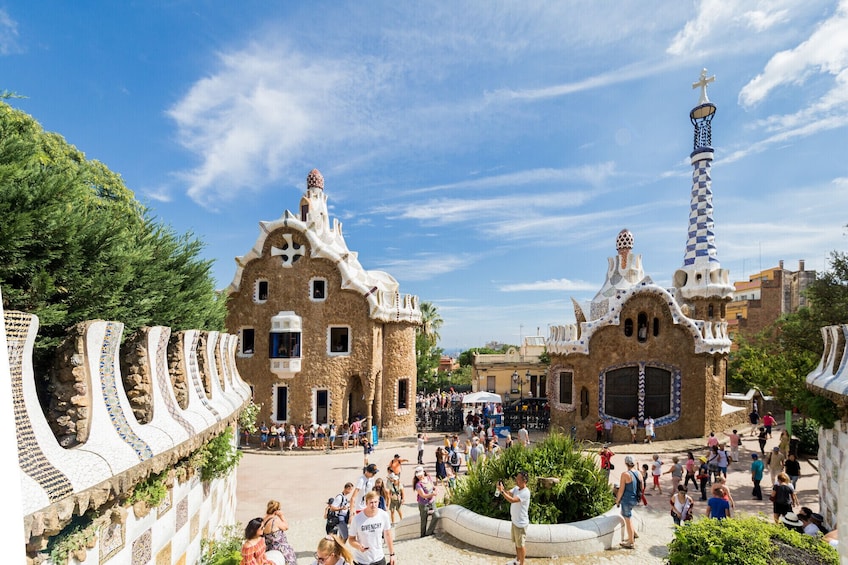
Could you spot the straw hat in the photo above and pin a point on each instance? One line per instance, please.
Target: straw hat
(790, 519)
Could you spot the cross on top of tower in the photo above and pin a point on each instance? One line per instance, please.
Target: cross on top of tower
(703, 82)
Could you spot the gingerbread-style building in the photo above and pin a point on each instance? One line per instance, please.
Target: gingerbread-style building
(641, 350)
(321, 338)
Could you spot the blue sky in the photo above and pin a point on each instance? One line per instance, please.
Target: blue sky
(485, 154)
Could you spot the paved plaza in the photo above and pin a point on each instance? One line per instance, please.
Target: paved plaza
(303, 480)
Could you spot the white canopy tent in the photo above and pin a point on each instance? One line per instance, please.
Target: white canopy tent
(481, 397)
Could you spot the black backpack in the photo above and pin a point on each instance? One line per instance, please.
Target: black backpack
(454, 458)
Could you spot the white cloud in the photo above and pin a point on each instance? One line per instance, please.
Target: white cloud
(825, 51)
(8, 34)
(551, 284)
(425, 266)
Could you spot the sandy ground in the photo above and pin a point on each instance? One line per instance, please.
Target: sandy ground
(304, 480)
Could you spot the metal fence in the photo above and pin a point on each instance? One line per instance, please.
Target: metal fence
(452, 420)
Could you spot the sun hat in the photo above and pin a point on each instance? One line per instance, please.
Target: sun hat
(790, 519)
(397, 456)
(419, 470)
(702, 459)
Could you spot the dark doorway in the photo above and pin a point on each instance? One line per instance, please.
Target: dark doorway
(321, 405)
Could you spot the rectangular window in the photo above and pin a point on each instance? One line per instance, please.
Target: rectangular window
(490, 384)
(339, 340)
(566, 381)
(284, 345)
(262, 292)
(281, 413)
(247, 343)
(319, 289)
(657, 392)
(403, 394)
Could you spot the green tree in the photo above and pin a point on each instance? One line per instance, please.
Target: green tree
(76, 245)
(427, 352)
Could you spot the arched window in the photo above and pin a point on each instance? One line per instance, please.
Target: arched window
(628, 327)
(656, 327)
(710, 311)
(642, 332)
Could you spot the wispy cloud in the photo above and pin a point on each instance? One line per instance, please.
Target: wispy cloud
(826, 51)
(548, 285)
(425, 266)
(8, 34)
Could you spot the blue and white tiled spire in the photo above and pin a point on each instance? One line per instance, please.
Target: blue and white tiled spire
(701, 275)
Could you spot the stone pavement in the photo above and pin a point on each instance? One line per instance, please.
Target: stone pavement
(303, 480)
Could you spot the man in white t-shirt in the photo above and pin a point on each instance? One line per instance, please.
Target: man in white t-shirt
(519, 512)
(370, 527)
(523, 436)
(364, 485)
(735, 439)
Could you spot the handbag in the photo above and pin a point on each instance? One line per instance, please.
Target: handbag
(611, 466)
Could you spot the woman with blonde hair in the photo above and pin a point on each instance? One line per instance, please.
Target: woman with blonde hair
(332, 551)
(783, 497)
(274, 526)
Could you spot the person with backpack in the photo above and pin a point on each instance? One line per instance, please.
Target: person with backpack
(455, 460)
(337, 511)
(783, 497)
(629, 494)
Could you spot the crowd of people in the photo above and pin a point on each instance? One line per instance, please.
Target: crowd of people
(708, 476)
(328, 436)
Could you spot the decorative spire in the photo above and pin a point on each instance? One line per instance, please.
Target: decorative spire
(315, 180)
(702, 275)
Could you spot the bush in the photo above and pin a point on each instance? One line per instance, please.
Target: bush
(218, 457)
(582, 491)
(807, 433)
(226, 550)
(745, 541)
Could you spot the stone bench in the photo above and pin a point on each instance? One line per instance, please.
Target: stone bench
(543, 540)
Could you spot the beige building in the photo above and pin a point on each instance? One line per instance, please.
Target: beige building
(320, 338)
(515, 374)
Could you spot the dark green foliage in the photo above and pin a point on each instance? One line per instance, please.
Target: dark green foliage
(217, 458)
(582, 492)
(225, 550)
(76, 245)
(807, 432)
(744, 541)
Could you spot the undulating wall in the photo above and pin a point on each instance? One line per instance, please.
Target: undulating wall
(104, 449)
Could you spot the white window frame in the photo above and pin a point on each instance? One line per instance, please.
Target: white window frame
(256, 284)
(330, 351)
(241, 352)
(312, 289)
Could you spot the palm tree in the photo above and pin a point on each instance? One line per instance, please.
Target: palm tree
(431, 321)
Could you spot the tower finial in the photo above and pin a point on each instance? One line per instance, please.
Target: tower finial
(703, 82)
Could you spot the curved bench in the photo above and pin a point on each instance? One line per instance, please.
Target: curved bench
(543, 540)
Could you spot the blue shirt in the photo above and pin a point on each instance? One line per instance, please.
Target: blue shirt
(757, 469)
(718, 507)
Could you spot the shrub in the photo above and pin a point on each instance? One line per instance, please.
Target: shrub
(807, 432)
(218, 457)
(151, 490)
(582, 491)
(225, 550)
(745, 541)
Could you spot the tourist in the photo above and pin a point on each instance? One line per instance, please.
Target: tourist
(396, 497)
(441, 460)
(723, 460)
(599, 430)
(291, 437)
(754, 418)
(783, 497)
(712, 462)
(606, 460)
(355, 429)
(273, 434)
(425, 490)
(381, 489)
(718, 507)
(791, 521)
(656, 472)
(649, 430)
(712, 441)
(369, 529)
(632, 424)
(792, 467)
(363, 486)
(253, 548)
(608, 429)
(367, 449)
(320, 436)
(301, 436)
(341, 506)
(507, 442)
(832, 538)
(263, 435)
(332, 551)
(681, 506)
(274, 526)
(645, 472)
(721, 482)
(691, 467)
(476, 453)
(783, 443)
(523, 436)
(331, 431)
(630, 486)
(757, 476)
(419, 442)
(774, 462)
(762, 437)
(455, 458)
(676, 472)
(734, 440)
(703, 476)
(519, 513)
(768, 423)
(396, 464)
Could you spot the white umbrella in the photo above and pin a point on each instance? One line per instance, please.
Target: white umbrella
(482, 396)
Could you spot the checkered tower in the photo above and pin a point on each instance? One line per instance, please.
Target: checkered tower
(701, 281)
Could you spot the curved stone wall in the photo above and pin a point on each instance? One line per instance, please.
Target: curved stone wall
(543, 540)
